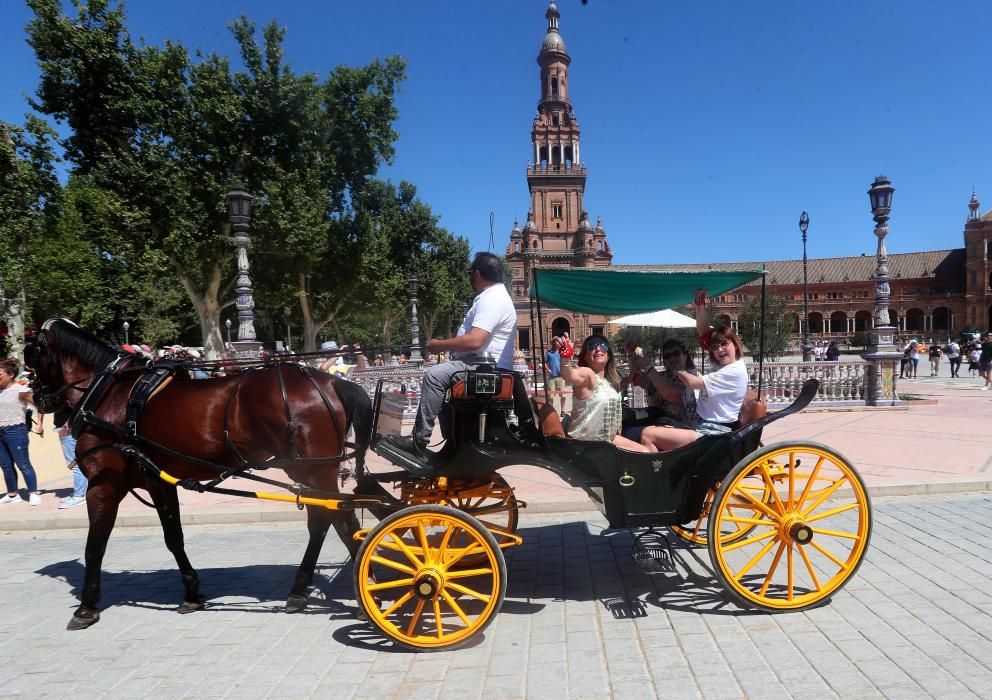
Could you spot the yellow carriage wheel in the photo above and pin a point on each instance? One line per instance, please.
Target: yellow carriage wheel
(411, 585)
(697, 532)
(807, 540)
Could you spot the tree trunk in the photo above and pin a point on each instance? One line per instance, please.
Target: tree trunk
(208, 305)
(13, 314)
(312, 326)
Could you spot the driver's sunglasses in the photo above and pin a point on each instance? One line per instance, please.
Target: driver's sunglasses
(593, 347)
(672, 355)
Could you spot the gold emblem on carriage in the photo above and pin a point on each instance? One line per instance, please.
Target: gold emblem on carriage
(656, 465)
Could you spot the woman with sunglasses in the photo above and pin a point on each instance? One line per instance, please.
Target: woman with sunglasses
(676, 402)
(721, 392)
(596, 406)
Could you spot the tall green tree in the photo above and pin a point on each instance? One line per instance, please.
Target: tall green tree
(29, 193)
(168, 133)
(778, 325)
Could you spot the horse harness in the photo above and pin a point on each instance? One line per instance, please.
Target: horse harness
(155, 376)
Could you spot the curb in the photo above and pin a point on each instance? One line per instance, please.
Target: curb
(254, 516)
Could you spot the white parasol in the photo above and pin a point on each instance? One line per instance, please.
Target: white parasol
(666, 318)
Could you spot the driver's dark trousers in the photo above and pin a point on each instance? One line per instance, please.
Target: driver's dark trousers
(437, 381)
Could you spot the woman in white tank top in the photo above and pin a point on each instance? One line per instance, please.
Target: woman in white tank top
(596, 408)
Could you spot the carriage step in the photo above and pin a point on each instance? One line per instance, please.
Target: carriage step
(652, 552)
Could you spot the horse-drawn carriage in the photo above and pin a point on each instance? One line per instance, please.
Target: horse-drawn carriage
(786, 525)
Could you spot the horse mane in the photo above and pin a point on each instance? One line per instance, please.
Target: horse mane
(86, 347)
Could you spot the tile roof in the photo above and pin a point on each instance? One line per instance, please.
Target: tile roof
(947, 264)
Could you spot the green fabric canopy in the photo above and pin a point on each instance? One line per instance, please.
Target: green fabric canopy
(618, 292)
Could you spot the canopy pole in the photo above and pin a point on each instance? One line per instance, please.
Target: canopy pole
(533, 342)
(761, 334)
(540, 332)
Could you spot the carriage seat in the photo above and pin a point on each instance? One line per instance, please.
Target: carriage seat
(754, 408)
(547, 419)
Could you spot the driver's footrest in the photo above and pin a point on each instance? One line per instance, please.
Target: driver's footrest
(418, 465)
(652, 552)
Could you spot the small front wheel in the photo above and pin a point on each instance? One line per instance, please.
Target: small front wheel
(809, 536)
(412, 585)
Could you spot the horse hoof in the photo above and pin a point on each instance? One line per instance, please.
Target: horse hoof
(188, 606)
(82, 619)
(296, 603)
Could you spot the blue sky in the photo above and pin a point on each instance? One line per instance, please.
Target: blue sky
(707, 128)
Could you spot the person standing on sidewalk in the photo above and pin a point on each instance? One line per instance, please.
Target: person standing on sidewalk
(985, 361)
(14, 399)
(552, 364)
(954, 357)
(935, 354)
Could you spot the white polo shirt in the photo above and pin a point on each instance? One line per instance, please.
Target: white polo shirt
(492, 311)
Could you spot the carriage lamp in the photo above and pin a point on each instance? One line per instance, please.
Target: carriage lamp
(127, 327)
(807, 346)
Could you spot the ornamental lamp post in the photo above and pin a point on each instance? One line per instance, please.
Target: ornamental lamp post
(415, 356)
(239, 214)
(882, 351)
(127, 327)
(807, 346)
(227, 323)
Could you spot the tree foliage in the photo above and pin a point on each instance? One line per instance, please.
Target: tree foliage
(778, 324)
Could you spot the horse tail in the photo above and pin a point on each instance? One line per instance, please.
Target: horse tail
(358, 406)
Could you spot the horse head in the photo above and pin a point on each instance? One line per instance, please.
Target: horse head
(61, 357)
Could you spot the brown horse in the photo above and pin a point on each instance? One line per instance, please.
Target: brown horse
(276, 413)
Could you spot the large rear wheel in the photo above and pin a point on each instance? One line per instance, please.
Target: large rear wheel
(807, 539)
(411, 582)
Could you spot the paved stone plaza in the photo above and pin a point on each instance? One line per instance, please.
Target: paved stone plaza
(578, 621)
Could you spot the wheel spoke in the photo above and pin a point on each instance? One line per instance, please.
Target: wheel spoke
(422, 536)
(824, 494)
(836, 533)
(771, 569)
(758, 505)
(471, 549)
(809, 483)
(809, 566)
(469, 592)
(390, 584)
(445, 540)
(828, 555)
(416, 617)
(695, 530)
(453, 604)
(749, 540)
(757, 557)
(466, 573)
(835, 511)
(406, 550)
(792, 486)
(392, 564)
(788, 563)
(437, 617)
(397, 605)
(771, 487)
(750, 521)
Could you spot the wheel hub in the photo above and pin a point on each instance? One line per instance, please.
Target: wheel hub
(797, 531)
(428, 584)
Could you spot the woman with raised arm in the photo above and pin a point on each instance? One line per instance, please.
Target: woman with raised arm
(721, 392)
(596, 407)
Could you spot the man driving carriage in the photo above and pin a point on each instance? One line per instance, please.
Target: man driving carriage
(488, 329)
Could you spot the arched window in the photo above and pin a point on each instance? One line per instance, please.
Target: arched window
(862, 321)
(815, 322)
(941, 319)
(838, 322)
(554, 85)
(914, 320)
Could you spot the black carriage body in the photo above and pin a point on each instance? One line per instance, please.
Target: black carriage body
(631, 489)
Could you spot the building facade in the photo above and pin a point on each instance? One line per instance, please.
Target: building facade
(934, 294)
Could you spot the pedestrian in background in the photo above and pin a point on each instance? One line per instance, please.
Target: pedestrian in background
(954, 357)
(14, 400)
(935, 355)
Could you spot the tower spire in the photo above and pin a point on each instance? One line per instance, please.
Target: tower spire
(973, 206)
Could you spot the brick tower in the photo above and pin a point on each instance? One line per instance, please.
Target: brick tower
(557, 232)
(978, 264)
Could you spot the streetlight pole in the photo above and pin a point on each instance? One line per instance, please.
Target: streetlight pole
(289, 331)
(415, 356)
(882, 351)
(127, 327)
(807, 346)
(227, 323)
